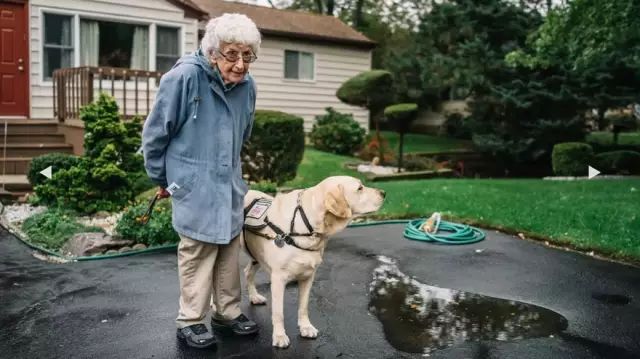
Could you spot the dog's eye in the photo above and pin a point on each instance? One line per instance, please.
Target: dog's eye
(360, 188)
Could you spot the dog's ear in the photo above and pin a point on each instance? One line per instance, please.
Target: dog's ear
(336, 203)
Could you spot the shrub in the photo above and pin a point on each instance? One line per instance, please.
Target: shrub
(418, 163)
(370, 89)
(400, 117)
(108, 175)
(618, 162)
(456, 126)
(571, 158)
(372, 148)
(275, 148)
(265, 186)
(337, 133)
(157, 231)
(53, 227)
(58, 161)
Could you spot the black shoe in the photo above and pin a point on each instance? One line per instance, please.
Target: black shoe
(239, 326)
(197, 336)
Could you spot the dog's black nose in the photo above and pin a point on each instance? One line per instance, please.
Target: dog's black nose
(383, 193)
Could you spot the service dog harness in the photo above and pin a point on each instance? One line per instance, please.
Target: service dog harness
(256, 220)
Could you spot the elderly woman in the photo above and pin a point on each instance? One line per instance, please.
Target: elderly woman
(202, 114)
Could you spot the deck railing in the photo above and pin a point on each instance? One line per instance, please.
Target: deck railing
(75, 87)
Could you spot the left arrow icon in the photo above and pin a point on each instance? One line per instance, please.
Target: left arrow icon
(46, 172)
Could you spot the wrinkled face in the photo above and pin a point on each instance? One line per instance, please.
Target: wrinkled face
(233, 61)
(360, 199)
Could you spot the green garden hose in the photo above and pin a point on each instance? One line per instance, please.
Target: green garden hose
(445, 232)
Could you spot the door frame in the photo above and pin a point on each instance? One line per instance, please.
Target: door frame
(27, 62)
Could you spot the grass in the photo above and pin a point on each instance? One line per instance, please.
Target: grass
(317, 165)
(586, 215)
(52, 228)
(598, 215)
(606, 138)
(424, 143)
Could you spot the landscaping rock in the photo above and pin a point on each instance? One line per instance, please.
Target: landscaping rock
(17, 213)
(139, 246)
(104, 220)
(111, 251)
(101, 214)
(86, 244)
(125, 249)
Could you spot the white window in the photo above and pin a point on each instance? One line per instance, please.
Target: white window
(167, 49)
(298, 65)
(57, 46)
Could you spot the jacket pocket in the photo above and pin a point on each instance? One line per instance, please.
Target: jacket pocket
(185, 184)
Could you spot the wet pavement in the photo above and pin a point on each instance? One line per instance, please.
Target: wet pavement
(377, 295)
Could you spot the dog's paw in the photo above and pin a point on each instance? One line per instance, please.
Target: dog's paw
(309, 331)
(258, 299)
(280, 340)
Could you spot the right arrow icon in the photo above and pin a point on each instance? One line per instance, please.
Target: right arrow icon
(593, 172)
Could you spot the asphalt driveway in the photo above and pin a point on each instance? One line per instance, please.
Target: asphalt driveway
(125, 307)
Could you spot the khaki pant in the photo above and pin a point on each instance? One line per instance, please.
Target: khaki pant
(207, 270)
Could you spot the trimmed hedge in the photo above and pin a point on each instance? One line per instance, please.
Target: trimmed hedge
(337, 132)
(58, 161)
(618, 162)
(401, 115)
(571, 158)
(275, 148)
(368, 89)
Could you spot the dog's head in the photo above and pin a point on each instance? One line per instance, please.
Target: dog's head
(344, 198)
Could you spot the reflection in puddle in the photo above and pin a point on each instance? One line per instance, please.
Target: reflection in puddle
(419, 318)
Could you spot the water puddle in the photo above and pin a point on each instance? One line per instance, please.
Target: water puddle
(418, 318)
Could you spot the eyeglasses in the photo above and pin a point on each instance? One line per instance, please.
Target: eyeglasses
(234, 56)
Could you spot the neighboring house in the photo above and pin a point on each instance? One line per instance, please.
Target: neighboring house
(123, 47)
(304, 59)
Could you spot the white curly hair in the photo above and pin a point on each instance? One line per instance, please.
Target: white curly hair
(230, 28)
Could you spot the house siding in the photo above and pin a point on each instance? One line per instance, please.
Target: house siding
(148, 12)
(334, 64)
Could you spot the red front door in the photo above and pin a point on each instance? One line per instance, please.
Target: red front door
(14, 58)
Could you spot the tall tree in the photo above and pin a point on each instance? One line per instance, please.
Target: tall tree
(458, 41)
(598, 42)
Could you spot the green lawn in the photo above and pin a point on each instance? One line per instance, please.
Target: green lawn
(606, 138)
(424, 143)
(590, 215)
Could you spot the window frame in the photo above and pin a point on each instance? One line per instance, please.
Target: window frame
(77, 15)
(180, 44)
(299, 52)
(46, 46)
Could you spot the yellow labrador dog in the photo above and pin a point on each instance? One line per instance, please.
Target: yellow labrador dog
(291, 246)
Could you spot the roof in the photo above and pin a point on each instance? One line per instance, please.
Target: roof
(290, 23)
(191, 9)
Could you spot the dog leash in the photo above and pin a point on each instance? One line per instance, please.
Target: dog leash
(147, 215)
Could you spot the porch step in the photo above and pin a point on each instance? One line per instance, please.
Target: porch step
(15, 186)
(34, 138)
(15, 165)
(29, 127)
(33, 149)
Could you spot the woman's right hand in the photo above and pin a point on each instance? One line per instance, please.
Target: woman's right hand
(163, 193)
